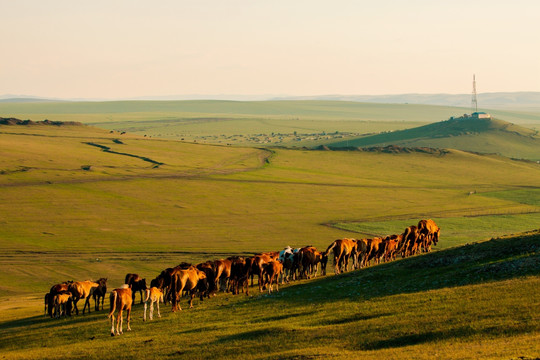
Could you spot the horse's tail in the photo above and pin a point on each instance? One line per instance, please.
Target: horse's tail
(329, 248)
(113, 297)
(146, 295)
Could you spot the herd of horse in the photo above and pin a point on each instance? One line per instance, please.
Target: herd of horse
(235, 273)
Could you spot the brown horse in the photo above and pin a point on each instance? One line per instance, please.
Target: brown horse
(189, 280)
(429, 232)
(82, 290)
(222, 269)
(239, 279)
(257, 264)
(373, 251)
(121, 299)
(343, 248)
(360, 254)
(49, 297)
(271, 271)
(410, 235)
(63, 302)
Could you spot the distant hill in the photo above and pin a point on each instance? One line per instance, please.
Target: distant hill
(14, 121)
(476, 135)
(486, 100)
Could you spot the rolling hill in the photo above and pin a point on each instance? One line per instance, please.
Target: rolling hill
(475, 135)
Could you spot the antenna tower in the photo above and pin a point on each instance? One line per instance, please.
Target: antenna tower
(474, 101)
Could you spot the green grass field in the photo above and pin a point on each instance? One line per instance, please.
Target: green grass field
(61, 219)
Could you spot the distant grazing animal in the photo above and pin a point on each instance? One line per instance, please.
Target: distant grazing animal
(121, 299)
(63, 302)
(137, 284)
(82, 290)
(152, 295)
(99, 293)
(189, 280)
(343, 248)
(271, 271)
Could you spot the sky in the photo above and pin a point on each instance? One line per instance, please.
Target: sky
(111, 49)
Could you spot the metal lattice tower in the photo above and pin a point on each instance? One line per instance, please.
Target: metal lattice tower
(474, 101)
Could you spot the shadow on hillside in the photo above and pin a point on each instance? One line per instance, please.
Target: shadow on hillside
(465, 332)
(494, 260)
(46, 322)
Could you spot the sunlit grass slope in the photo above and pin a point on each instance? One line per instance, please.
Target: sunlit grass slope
(479, 135)
(476, 301)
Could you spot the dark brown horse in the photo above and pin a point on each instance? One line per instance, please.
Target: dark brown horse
(99, 293)
(136, 283)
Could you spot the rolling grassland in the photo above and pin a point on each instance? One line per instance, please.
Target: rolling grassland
(260, 123)
(70, 210)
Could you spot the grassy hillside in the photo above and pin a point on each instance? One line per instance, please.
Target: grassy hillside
(263, 123)
(475, 301)
(479, 135)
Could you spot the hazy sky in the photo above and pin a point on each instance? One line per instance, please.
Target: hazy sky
(128, 48)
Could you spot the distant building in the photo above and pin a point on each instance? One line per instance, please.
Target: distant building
(480, 115)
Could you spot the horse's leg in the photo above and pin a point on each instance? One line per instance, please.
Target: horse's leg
(140, 293)
(191, 296)
(75, 301)
(128, 317)
(87, 303)
(157, 304)
(112, 324)
(151, 309)
(120, 321)
(144, 314)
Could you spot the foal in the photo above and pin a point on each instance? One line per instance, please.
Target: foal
(152, 295)
(121, 299)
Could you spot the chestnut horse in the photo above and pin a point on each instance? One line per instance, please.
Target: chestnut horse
(343, 248)
(49, 297)
(120, 299)
(189, 280)
(270, 272)
(63, 302)
(83, 290)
